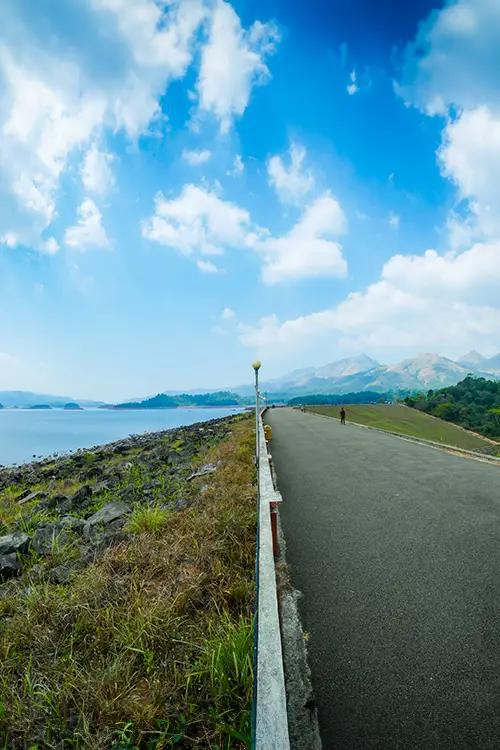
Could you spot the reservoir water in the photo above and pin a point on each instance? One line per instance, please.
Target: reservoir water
(25, 433)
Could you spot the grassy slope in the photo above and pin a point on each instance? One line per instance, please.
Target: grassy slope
(402, 419)
(150, 646)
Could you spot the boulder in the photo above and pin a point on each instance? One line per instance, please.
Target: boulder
(17, 542)
(108, 513)
(46, 535)
(82, 496)
(9, 565)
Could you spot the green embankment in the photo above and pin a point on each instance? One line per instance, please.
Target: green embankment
(133, 634)
(406, 421)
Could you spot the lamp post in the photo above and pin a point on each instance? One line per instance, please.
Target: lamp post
(256, 366)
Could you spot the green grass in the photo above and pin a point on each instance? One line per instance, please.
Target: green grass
(406, 421)
(148, 520)
(150, 646)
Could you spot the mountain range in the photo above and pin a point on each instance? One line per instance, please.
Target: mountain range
(28, 399)
(349, 375)
(362, 373)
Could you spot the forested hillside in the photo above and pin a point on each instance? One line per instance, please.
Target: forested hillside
(473, 403)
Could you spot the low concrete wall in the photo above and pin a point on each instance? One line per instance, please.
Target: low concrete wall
(271, 724)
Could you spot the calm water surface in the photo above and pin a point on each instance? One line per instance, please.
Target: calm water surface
(25, 433)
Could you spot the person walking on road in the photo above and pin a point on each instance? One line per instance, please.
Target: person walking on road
(342, 416)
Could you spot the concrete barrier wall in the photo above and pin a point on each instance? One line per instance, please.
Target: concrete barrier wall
(271, 725)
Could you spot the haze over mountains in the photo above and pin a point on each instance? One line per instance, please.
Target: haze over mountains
(349, 375)
(363, 373)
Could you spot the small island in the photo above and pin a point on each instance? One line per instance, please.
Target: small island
(40, 406)
(72, 406)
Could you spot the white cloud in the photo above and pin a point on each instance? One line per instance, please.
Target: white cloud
(308, 250)
(197, 221)
(49, 246)
(446, 303)
(55, 102)
(228, 314)
(195, 158)
(452, 69)
(291, 183)
(393, 220)
(206, 266)
(470, 157)
(232, 62)
(352, 88)
(237, 168)
(97, 176)
(88, 231)
(9, 239)
(454, 58)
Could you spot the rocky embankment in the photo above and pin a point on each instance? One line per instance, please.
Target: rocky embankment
(57, 515)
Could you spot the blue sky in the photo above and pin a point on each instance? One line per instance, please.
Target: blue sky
(186, 185)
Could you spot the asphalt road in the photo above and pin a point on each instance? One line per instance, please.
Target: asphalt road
(396, 549)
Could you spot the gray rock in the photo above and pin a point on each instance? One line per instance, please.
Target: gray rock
(17, 542)
(26, 498)
(108, 513)
(81, 496)
(48, 534)
(206, 469)
(72, 523)
(9, 565)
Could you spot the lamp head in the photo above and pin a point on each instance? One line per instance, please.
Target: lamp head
(256, 365)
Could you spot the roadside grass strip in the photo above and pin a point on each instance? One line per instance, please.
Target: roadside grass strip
(149, 645)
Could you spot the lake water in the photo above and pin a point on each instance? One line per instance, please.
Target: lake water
(25, 432)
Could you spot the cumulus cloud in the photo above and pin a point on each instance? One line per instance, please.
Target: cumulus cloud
(97, 176)
(88, 231)
(291, 183)
(195, 158)
(53, 103)
(451, 69)
(232, 62)
(470, 157)
(308, 250)
(450, 302)
(198, 220)
(453, 60)
(228, 314)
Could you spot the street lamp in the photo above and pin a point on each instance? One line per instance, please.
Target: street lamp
(256, 366)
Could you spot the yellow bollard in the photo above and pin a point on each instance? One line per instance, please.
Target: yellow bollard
(268, 432)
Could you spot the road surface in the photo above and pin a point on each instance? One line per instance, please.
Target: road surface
(396, 549)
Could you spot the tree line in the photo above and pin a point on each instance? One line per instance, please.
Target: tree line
(474, 403)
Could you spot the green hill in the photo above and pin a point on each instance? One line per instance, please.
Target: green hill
(474, 403)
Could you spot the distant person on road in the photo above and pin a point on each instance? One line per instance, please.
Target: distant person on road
(342, 416)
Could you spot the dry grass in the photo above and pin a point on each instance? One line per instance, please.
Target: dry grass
(150, 646)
